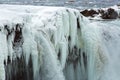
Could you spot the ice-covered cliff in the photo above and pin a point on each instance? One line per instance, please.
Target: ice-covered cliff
(55, 43)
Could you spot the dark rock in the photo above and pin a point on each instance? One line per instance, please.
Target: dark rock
(18, 33)
(69, 38)
(85, 13)
(109, 14)
(5, 62)
(105, 14)
(59, 54)
(88, 13)
(78, 24)
(85, 59)
(93, 12)
(101, 11)
(18, 70)
(8, 60)
(6, 27)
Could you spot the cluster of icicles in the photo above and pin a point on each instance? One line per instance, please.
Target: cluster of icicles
(64, 46)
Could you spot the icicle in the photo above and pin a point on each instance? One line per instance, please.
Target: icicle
(63, 54)
(27, 37)
(73, 27)
(30, 48)
(66, 24)
(3, 52)
(50, 60)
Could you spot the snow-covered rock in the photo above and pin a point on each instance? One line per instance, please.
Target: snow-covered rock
(102, 13)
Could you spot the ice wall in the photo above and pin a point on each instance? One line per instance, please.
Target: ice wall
(51, 43)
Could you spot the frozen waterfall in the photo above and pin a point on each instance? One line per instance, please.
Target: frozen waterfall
(56, 43)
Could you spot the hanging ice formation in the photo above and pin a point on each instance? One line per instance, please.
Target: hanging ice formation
(51, 43)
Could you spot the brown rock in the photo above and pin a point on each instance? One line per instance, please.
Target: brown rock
(88, 13)
(110, 14)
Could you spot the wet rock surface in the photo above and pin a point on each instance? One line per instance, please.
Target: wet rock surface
(18, 70)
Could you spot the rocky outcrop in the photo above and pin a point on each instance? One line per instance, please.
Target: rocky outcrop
(110, 13)
(90, 13)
